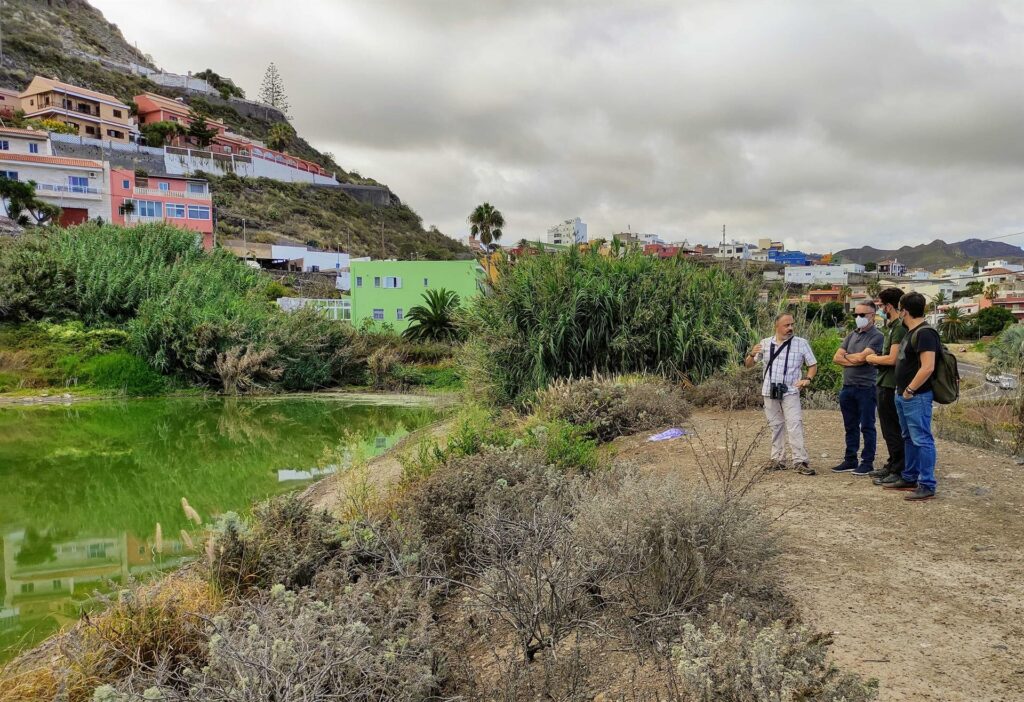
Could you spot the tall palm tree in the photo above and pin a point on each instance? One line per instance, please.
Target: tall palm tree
(938, 300)
(992, 291)
(434, 320)
(953, 324)
(486, 222)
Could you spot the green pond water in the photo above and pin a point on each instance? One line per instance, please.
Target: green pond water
(85, 485)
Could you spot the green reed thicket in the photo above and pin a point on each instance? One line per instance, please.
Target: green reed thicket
(578, 313)
(202, 316)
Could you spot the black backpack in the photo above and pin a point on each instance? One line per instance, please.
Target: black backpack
(946, 376)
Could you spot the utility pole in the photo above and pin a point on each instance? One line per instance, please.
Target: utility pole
(245, 243)
(382, 256)
(723, 235)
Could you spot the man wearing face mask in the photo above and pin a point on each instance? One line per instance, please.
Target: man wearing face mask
(784, 356)
(894, 333)
(857, 399)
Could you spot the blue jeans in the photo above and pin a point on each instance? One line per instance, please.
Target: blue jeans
(919, 445)
(858, 406)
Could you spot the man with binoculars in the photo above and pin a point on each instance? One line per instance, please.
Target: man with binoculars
(784, 357)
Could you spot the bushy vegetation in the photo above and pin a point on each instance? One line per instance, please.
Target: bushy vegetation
(735, 388)
(575, 314)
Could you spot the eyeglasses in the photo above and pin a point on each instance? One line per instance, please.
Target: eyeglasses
(864, 314)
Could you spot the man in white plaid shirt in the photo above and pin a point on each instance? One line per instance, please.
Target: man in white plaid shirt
(783, 357)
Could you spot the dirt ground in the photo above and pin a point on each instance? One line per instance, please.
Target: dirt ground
(928, 598)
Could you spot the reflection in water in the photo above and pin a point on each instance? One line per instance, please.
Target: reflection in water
(85, 486)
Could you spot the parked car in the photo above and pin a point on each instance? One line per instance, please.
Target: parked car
(1008, 382)
(992, 376)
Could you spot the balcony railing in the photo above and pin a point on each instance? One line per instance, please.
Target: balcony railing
(172, 193)
(137, 218)
(68, 189)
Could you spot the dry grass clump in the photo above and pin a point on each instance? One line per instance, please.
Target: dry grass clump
(736, 388)
(731, 658)
(145, 632)
(610, 407)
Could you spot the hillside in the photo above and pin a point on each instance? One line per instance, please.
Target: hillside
(72, 41)
(937, 254)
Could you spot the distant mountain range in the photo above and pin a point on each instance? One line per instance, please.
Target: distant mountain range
(937, 254)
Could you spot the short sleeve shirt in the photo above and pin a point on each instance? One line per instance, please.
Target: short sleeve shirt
(785, 369)
(855, 342)
(908, 363)
(894, 333)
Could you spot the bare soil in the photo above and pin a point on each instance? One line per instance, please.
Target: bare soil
(928, 598)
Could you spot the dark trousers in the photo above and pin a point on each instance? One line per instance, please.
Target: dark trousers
(858, 406)
(890, 421)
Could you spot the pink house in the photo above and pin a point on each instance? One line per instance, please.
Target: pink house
(183, 202)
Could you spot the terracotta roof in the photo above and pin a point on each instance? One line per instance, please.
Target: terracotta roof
(52, 83)
(56, 160)
(172, 105)
(32, 133)
(997, 271)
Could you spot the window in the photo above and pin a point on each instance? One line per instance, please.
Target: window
(376, 281)
(57, 584)
(27, 588)
(9, 175)
(126, 184)
(314, 269)
(113, 133)
(198, 212)
(378, 314)
(97, 551)
(90, 130)
(78, 184)
(392, 282)
(399, 314)
(117, 113)
(149, 209)
(426, 282)
(164, 186)
(173, 211)
(381, 442)
(197, 187)
(359, 281)
(33, 148)
(5, 145)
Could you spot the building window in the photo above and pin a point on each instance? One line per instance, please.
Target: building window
(33, 148)
(97, 551)
(376, 281)
(198, 212)
(126, 184)
(197, 187)
(378, 314)
(381, 442)
(359, 281)
(399, 314)
(57, 584)
(392, 282)
(149, 209)
(174, 211)
(113, 133)
(27, 588)
(5, 145)
(117, 113)
(9, 175)
(90, 129)
(78, 184)
(164, 186)
(426, 282)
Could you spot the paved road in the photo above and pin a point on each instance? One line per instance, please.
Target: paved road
(983, 390)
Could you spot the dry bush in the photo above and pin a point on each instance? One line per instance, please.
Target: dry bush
(381, 366)
(287, 541)
(611, 406)
(243, 369)
(736, 388)
(144, 634)
(655, 548)
(731, 659)
(368, 643)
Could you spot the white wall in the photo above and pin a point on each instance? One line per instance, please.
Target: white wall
(52, 186)
(177, 164)
(853, 267)
(807, 275)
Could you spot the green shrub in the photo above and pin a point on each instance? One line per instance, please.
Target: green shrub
(830, 376)
(608, 407)
(120, 370)
(565, 446)
(735, 388)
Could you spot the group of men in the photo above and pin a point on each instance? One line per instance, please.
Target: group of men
(887, 370)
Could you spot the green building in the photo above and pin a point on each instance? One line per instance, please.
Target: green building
(384, 291)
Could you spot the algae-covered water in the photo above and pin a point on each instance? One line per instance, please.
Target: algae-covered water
(83, 486)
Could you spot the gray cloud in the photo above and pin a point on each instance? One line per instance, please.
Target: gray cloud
(825, 124)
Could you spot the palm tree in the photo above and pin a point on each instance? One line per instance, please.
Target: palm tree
(486, 222)
(434, 320)
(992, 292)
(953, 324)
(938, 300)
(845, 292)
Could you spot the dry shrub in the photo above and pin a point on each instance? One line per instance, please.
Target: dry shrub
(145, 633)
(610, 406)
(735, 660)
(243, 369)
(287, 541)
(365, 644)
(381, 366)
(736, 388)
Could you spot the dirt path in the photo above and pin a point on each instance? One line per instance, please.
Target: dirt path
(927, 598)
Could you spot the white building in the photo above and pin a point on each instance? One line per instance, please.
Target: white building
(1012, 267)
(735, 251)
(853, 267)
(571, 231)
(80, 187)
(314, 261)
(812, 275)
(918, 274)
(652, 239)
(760, 255)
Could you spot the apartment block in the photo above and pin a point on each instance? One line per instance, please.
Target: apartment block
(183, 202)
(384, 291)
(94, 115)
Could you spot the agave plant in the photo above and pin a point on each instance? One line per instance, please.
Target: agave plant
(435, 319)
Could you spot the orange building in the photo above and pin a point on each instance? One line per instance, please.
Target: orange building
(183, 202)
(94, 115)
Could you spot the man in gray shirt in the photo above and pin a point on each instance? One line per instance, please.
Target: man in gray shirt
(858, 400)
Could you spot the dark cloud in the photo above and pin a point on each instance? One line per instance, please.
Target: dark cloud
(826, 124)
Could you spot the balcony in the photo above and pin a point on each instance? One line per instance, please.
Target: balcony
(141, 219)
(172, 193)
(74, 191)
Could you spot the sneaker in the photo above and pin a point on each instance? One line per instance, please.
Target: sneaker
(881, 472)
(803, 469)
(920, 494)
(863, 470)
(899, 484)
(845, 467)
(880, 480)
(773, 465)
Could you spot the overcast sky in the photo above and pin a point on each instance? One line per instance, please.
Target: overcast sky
(823, 123)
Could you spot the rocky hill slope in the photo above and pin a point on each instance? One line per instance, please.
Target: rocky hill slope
(937, 254)
(72, 41)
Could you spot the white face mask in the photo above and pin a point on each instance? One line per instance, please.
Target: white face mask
(862, 322)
